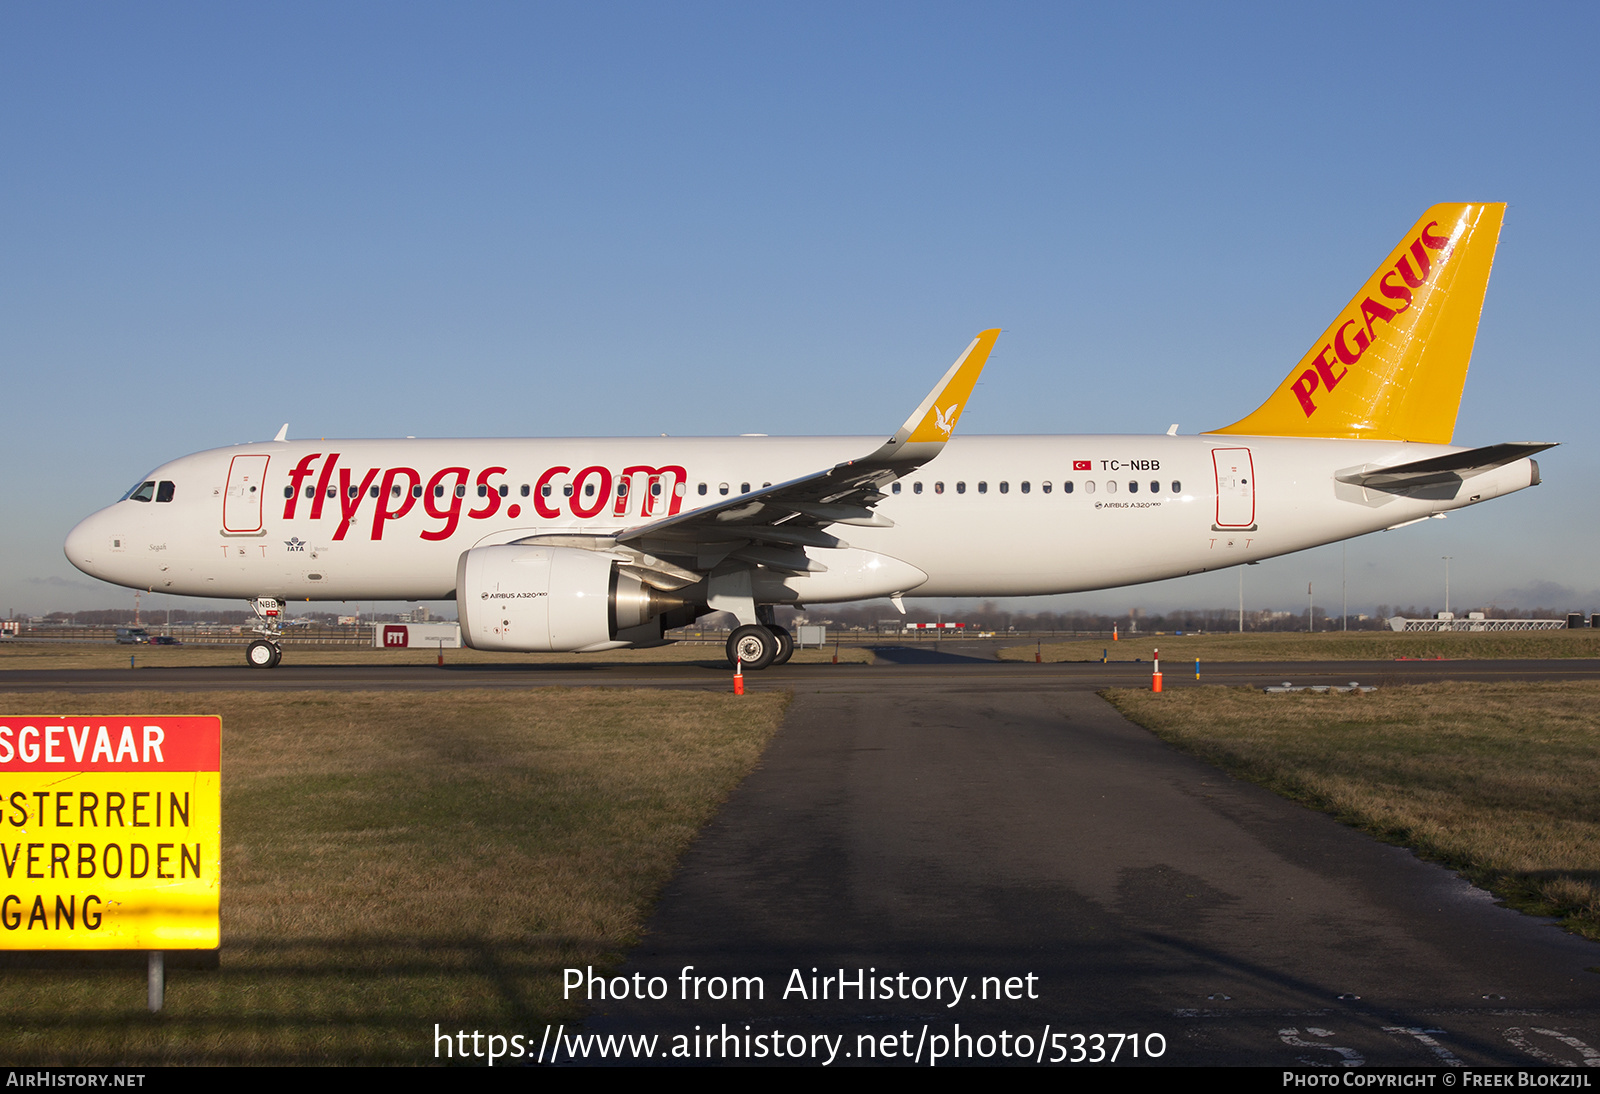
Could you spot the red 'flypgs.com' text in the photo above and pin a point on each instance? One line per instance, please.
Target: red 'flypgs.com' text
(395, 493)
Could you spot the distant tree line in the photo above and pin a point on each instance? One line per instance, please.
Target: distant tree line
(121, 617)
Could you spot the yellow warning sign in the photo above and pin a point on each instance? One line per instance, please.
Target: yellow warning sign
(110, 832)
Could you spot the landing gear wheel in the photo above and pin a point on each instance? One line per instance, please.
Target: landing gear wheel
(277, 655)
(261, 654)
(785, 643)
(754, 645)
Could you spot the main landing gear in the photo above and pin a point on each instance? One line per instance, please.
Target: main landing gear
(758, 645)
(264, 652)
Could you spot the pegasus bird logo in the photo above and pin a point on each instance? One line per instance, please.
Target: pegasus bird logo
(946, 418)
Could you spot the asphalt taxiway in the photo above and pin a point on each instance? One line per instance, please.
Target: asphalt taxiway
(962, 830)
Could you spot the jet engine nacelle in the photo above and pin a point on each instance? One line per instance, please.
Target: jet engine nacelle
(561, 599)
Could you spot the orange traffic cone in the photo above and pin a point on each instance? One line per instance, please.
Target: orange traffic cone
(738, 676)
(1155, 676)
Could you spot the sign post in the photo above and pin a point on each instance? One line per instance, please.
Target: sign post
(110, 835)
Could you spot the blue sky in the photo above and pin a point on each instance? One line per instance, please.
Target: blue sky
(517, 219)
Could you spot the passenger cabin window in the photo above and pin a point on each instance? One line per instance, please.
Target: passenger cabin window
(394, 491)
(1177, 487)
(375, 491)
(438, 491)
(483, 491)
(1111, 486)
(1024, 488)
(916, 488)
(1043, 486)
(1005, 488)
(983, 488)
(938, 488)
(145, 492)
(961, 488)
(722, 488)
(1133, 487)
(1088, 487)
(416, 490)
(702, 489)
(1155, 488)
(311, 491)
(524, 490)
(461, 489)
(505, 489)
(744, 488)
(895, 489)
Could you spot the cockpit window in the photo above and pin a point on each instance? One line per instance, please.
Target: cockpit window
(164, 491)
(143, 492)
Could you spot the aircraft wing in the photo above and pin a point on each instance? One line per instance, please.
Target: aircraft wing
(1442, 469)
(772, 526)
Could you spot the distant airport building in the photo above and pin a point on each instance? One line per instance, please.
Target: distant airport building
(1447, 621)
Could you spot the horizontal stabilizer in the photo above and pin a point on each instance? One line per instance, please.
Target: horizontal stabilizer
(1440, 469)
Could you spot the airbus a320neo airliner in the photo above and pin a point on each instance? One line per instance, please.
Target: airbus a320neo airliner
(596, 544)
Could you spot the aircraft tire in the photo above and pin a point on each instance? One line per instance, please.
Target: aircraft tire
(753, 644)
(261, 654)
(785, 644)
(277, 655)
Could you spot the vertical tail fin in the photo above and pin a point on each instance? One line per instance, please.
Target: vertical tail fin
(1393, 364)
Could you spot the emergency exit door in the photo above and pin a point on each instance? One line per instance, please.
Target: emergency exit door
(1236, 487)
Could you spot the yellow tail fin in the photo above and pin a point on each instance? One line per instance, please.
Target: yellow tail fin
(1392, 366)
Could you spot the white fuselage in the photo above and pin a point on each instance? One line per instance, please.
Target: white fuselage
(994, 516)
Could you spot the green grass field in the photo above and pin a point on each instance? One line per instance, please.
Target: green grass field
(1498, 781)
(391, 861)
(1334, 646)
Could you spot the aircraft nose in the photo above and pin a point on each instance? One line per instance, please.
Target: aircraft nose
(84, 544)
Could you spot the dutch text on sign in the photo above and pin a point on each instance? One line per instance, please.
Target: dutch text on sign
(110, 832)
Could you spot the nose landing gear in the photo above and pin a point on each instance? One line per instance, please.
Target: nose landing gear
(265, 652)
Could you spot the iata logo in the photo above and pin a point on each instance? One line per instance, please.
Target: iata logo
(1355, 335)
(295, 543)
